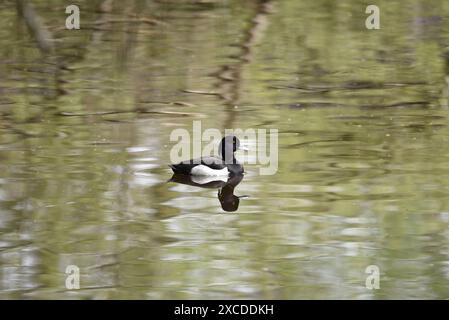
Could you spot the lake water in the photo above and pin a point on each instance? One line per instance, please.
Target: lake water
(363, 174)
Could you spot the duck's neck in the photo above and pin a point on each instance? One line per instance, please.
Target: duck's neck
(228, 159)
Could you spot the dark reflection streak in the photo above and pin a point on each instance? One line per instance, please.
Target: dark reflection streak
(348, 85)
(229, 76)
(97, 34)
(408, 104)
(129, 41)
(445, 91)
(38, 30)
(45, 42)
(316, 141)
(19, 245)
(127, 45)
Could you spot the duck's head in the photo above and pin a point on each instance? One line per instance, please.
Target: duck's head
(228, 146)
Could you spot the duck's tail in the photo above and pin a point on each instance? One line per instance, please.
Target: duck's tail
(175, 168)
(174, 171)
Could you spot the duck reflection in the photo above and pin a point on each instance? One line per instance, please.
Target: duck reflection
(225, 185)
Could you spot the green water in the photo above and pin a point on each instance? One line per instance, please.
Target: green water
(363, 176)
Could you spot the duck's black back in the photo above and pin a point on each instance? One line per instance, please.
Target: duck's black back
(186, 167)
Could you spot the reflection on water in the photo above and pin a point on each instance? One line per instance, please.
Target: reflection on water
(225, 185)
(363, 163)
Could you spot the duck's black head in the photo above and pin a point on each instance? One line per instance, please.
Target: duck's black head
(228, 146)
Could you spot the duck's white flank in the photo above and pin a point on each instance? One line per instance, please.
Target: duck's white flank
(207, 179)
(202, 170)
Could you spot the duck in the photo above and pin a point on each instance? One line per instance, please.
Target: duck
(226, 165)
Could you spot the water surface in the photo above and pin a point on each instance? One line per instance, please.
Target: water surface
(363, 159)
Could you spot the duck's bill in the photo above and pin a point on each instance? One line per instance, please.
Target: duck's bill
(243, 197)
(244, 148)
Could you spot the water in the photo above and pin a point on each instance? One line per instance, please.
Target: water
(363, 164)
